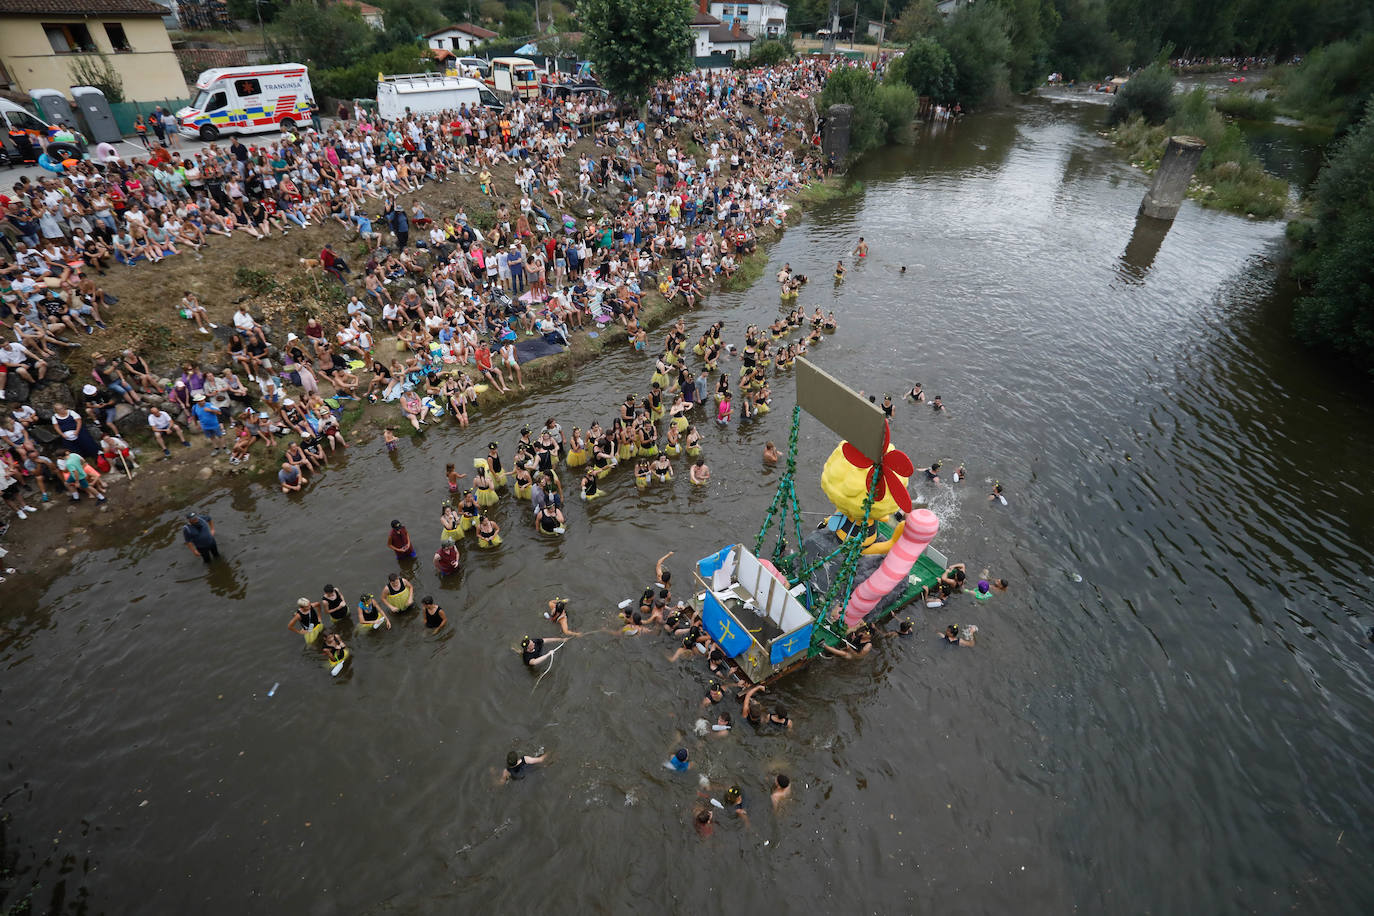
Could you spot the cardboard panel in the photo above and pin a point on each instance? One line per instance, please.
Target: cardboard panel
(840, 408)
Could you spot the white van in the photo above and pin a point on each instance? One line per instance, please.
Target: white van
(512, 76)
(24, 136)
(431, 93)
(248, 100)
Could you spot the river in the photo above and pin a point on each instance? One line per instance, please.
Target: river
(1168, 712)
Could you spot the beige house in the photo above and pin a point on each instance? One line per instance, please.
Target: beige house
(39, 39)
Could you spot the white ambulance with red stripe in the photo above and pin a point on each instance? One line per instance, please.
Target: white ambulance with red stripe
(248, 100)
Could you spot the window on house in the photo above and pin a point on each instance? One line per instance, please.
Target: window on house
(743, 12)
(118, 40)
(68, 37)
(726, 11)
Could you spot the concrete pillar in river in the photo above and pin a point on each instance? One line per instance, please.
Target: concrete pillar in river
(835, 139)
(1171, 180)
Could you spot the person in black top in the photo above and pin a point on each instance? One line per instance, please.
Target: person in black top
(516, 763)
(532, 650)
(435, 618)
(199, 533)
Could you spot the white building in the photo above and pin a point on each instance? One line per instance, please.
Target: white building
(760, 18)
(463, 36)
(711, 36)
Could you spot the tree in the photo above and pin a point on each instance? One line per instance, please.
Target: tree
(97, 71)
(977, 39)
(919, 20)
(327, 37)
(636, 43)
(1030, 25)
(927, 69)
(406, 21)
(1339, 258)
(517, 24)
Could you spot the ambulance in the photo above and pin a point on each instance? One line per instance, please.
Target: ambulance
(248, 100)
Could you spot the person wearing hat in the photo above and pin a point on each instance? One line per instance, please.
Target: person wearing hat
(305, 620)
(207, 415)
(199, 534)
(516, 763)
(532, 649)
(678, 762)
(398, 540)
(734, 799)
(100, 406)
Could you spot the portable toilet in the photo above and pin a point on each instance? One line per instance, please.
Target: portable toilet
(54, 108)
(97, 120)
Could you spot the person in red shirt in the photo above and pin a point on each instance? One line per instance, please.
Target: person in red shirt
(333, 263)
(483, 357)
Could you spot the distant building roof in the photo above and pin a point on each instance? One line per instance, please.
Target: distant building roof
(81, 8)
(467, 28)
(705, 19)
(723, 35)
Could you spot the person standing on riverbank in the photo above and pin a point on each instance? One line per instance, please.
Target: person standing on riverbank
(199, 534)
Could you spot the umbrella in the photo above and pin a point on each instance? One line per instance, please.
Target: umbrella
(527, 49)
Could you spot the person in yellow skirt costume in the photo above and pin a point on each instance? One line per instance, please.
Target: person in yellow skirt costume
(523, 480)
(673, 445)
(577, 449)
(494, 466)
(488, 533)
(451, 525)
(306, 621)
(469, 509)
(484, 486)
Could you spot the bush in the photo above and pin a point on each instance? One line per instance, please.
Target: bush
(1246, 105)
(1338, 251)
(925, 67)
(881, 112)
(257, 282)
(1149, 93)
(1332, 83)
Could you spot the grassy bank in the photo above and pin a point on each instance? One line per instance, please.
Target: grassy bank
(1229, 177)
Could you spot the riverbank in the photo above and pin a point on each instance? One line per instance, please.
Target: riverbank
(268, 278)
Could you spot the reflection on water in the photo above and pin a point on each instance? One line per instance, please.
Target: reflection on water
(1177, 683)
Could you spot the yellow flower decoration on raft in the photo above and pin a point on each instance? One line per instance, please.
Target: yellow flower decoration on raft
(846, 485)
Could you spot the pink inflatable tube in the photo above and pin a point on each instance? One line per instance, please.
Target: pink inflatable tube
(919, 530)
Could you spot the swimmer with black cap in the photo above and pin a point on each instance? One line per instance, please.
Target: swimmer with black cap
(516, 763)
(532, 650)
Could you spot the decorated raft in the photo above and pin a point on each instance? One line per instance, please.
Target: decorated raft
(871, 557)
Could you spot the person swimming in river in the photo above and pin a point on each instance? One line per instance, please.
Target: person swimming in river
(558, 613)
(434, 616)
(933, 473)
(700, 473)
(861, 249)
(452, 476)
(516, 763)
(839, 271)
(398, 539)
(532, 649)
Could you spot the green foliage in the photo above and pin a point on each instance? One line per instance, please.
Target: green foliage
(926, 68)
(765, 54)
(406, 21)
(920, 19)
(1085, 46)
(96, 70)
(636, 43)
(359, 80)
(977, 38)
(1031, 24)
(1149, 93)
(1332, 83)
(322, 37)
(881, 112)
(1246, 105)
(1228, 177)
(517, 24)
(1338, 254)
(257, 282)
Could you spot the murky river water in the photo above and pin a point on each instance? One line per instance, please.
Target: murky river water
(1169, 711)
